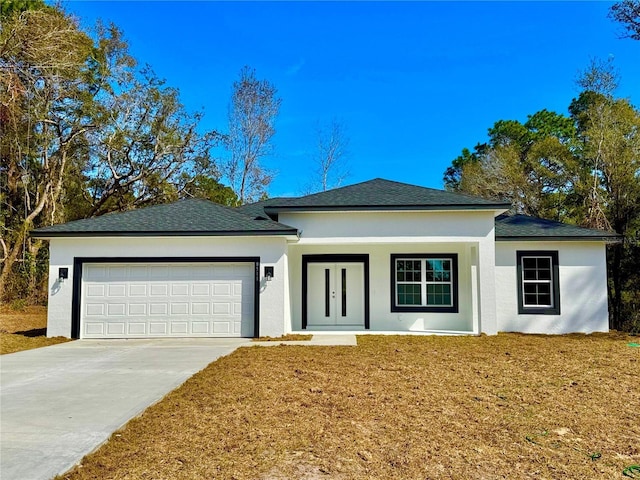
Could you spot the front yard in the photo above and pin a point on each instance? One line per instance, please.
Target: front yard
(24, 328)
(510, 406)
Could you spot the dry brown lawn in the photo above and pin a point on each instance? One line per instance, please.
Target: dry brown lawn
(404, 407)
(289, 337)
(24, 329)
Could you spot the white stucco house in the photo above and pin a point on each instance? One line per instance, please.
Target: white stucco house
(374, 257)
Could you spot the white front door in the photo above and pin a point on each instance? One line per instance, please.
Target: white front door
(335, 294)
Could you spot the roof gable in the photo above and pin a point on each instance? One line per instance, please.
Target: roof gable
(380, 194)
(185, 217)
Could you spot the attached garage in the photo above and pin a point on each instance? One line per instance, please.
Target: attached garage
(191, 268)
(167, 299)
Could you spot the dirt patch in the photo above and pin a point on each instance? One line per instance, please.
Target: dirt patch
(507, 406)
(22, 320)
(24, 329)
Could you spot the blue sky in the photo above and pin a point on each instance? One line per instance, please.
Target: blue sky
(413, 82)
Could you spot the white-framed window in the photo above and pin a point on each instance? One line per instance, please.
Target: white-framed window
(538, 282)
(424, 282)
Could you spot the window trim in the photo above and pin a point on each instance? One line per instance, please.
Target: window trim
(453, 257)
(555, 282)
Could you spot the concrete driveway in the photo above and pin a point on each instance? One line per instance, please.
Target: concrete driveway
(61, 402)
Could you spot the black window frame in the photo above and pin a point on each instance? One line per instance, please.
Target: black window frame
(555, 282)
(453, 257)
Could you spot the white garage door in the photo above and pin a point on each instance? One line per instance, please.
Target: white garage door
(167, 300)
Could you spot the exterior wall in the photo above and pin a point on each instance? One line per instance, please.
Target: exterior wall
(379, 234)
(381, 316)
(274, 314)
(583, 289)
(398, 226)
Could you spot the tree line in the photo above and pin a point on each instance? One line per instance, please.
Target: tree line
(582, 168)
(86, 130)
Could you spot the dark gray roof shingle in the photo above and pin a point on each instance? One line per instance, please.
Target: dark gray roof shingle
(183, 218)
(194, 217)
(523, 227)
(380, 194)
(257, 209)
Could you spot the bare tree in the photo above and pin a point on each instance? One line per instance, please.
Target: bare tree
(627, 12)
(330, 159)
(252, 113)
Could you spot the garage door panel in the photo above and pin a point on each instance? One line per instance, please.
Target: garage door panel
(179, 327)
(95, 290)
(138, 290)
(158, 289)
(221, 289)
(116, 309)
(137, 328)
(95, 273)
(117, 273)
(116, 328)
(180, 308)
(200, 308)
(200, 290)
(179, 289)
(138, 309)
(158, 309)
(221, 327)
(139, 300)
(94, 309)
(138, 272)
(158, 271)
(221, 308)
(198, 328)
(156, 328)
(116, 290)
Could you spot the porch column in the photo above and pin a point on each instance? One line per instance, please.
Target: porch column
(487, 285)
(475, 294)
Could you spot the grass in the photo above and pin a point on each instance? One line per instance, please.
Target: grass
(289, 337)
(401, 407)
(24, 329)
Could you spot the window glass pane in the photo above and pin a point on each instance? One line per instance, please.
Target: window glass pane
(408, 270)
(544, 300)
(544, 262)
(438, 294)
(530, 300)
(434, 264)
(544, 274)
(529, 275)
(409, 295)
(537, 294)
(529, 263)
(438, 270)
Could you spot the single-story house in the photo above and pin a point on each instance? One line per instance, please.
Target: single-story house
(374, 257)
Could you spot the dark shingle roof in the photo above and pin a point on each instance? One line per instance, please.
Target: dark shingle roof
(523, 227)
(191, 217)
(257, 209)
(382, 194)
